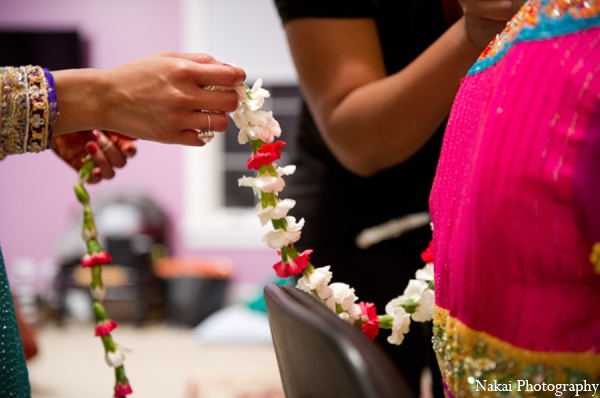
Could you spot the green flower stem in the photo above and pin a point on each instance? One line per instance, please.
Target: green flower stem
(99, 312)
(385, 321)
(86, 171)
(108, 343)
(120, 375)
(285, 253)
(256, 144)
(280, 224)
(96, 277)
(410, 306)
(268, 199)
(93, 246)
(88, 217)
(81, 193)
(308, 270)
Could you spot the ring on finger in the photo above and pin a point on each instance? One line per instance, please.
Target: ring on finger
(106, 146)
(206, 135)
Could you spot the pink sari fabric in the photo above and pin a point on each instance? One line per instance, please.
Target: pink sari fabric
(516, 212)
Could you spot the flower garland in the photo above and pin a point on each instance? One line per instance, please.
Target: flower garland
(94, 259)
(260, 129)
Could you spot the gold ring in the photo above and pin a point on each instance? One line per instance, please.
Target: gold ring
(108, 145)
(208, 118)
(206, 135)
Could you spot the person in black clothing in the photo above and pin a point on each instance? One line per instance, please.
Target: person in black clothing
(378, 78)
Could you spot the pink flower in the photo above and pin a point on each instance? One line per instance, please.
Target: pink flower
(105, 327)
(266, 154)
(427, 255)
(292, 266)
(122, 390)
(89, 261)
(370, 326)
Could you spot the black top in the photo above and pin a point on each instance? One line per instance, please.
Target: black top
(335, 203)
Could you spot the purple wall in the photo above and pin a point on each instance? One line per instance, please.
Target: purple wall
(37, 199)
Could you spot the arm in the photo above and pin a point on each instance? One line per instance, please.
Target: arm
(371, 121)
(158, 98)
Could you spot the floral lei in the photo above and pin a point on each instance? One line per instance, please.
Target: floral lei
(94, 259)
(260, 129)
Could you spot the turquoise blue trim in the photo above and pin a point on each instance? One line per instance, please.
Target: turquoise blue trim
(546, 28)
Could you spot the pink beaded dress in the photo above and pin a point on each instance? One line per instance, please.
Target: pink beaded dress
(516, 212)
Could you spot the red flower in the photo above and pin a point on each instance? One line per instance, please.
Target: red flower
(370, 326)
(292, 266)
(105, 327)
(122, 390)
(427, 255)
(266, 154)
(89, 261)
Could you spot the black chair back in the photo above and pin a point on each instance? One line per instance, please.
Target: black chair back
(321, 356)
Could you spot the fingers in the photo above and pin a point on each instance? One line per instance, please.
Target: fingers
(211, 121)
(219, 75)
(112, 153)
(108, 154)
(209, 71)
(215, 100)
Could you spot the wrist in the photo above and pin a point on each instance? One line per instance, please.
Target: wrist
(79, 96)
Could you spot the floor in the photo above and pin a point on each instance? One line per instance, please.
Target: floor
(164, 362)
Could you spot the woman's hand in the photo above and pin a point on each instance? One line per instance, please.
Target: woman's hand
(484, 19)
(107, 150)
(166, 98)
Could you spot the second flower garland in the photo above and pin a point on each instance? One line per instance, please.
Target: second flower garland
(260, 129)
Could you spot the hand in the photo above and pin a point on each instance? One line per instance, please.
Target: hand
(164, 98)
(107, 150)
(484, 19)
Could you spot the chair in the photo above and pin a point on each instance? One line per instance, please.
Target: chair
(321, 356)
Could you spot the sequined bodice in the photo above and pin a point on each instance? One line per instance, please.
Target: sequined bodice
(516, 293)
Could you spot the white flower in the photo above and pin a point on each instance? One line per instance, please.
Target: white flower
(240, 120)
(257, 118)
(274, 213)
(279, 237)
(244, 134)
(267, 182)
(116, 358)
(424, 311)
(257, 96)
(98, 293)
(426, 273)
(268, 131)
(242, 91)
(418, 291)
(414, 289)
(263, 183)
(257, 125)
(353, 314)
(89, 234)
(400, 326)
(344, 296)
(287, 170)
(318, 280)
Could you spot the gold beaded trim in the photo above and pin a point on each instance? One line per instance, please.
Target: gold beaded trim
(530, 13)
(467, 356)
(24, 122)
